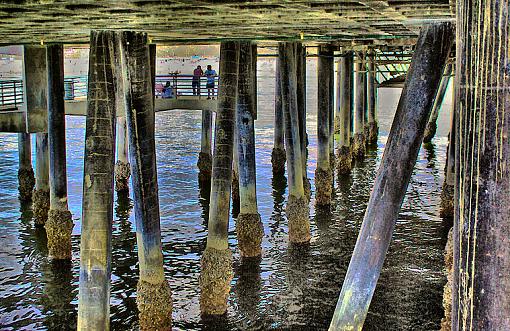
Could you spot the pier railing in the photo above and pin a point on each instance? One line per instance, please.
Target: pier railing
(11, 92)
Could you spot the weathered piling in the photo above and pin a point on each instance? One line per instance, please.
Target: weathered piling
(300, 69)
(97, 214)
(324, 172)
(297, 204)
(36, 84)
(430, 131)
(448, 190)
(216, 263)
(406, 135)
(204, 163)
(60, 224)
(26, 177)
(41, 194)
(278, 154)
(154, 299)
(122, 169)
(249, 225)
(373, 128)
(344, 156)
(358, 143)
(481, 232)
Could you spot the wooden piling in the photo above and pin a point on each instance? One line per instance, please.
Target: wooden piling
(26, 177)
(154, 299)
(430, 131)
(122, 168)
(41, 194)
(324, 173)
(344, 156)
(406, 135)
(204, 163)
(97, 214)
(278, 157)
(216, 263)
(300, 69)
(35, 88)
(447, 193)
(297, 204)
(60, 224)
(358, 144)
(373, 128)
(481, 232)
(249, 226)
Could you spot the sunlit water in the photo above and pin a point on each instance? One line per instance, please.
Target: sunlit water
(290, 289)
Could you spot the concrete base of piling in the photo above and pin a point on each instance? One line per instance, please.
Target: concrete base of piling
(235, 187)
(41, 206)
(373, 133)
(430, 132)
(298, 211)
(344, 160)
(308, 188)
(446, 322)
(26, 180)
(204, 165)
(446, 208)
(323, 186)
(358, 146)
(122, 173)
(59, 227)
(332, 160)
(154, 302)
(215, 277)
(249, 234)
(278, 159)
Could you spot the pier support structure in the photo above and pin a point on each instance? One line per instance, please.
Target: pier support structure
(216, 263)
(300, 70)
(122, 169)
(249, 225)
(26, 177)
(344, 118)
(430, 131)
(297, 208)
(97, 215)
(324, 171)
(41, 194)
(60, 224)
(205, 157)
(406, 135)
(373, 127)
(481, 233)
(447, 193)
(278, 154)
(358, 143)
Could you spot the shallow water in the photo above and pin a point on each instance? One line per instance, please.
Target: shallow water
(290, 289)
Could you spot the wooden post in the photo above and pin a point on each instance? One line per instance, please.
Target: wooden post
(278, 154)
(447, 193)
(35, 90)
(26, 177)
(204, 157)
(154, 299)
(41, 194)
(406, 135)
(430, 131)
(216, 263)
(249, 225)
(300, 69)
(324, 173)
(358, 144)
(122, 169)
(297, 204)
(96, 232)
(481, 232)
(373, 128)
(344, 156)
(60, 223)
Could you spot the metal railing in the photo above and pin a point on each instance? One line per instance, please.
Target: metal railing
(11, 92)
(75, 87)
(185, 85)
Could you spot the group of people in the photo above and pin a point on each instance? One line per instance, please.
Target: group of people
(210, 74)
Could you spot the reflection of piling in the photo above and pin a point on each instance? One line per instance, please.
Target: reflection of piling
(26, 177)
(432, 50)
(205, 158)
(41, 195)
(60, 224)
(373, 128)
(154, 299)
(216, 263)
(297, 204)
(249, 225)
(324, 173)
(344, 157)
(431, 128)
(122, 170)
(358, 144)
(96, 232)
(278, 153)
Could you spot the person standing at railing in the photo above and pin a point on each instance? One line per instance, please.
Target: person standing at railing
(210, 74)
(195, 83)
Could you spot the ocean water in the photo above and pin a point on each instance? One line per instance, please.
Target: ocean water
(288, 289)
